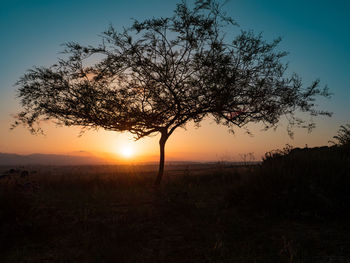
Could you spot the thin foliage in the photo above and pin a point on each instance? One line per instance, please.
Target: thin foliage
(343, 136)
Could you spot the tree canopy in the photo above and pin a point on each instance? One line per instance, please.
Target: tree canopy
(161, 73)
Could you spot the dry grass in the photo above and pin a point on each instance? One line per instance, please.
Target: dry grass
(113, 214)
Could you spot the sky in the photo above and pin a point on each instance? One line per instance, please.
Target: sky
(315, 33)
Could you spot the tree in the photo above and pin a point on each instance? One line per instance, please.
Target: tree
(162, 73)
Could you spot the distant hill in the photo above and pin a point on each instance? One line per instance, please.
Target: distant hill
(48, 159)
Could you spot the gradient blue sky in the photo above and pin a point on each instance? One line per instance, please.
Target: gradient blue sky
(316, 33)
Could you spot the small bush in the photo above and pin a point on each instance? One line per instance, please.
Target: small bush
(343, 136)
(309, 182)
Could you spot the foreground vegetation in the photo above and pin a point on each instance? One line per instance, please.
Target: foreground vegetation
(291, 208)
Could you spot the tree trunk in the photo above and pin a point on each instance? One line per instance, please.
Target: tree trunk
(162, 142)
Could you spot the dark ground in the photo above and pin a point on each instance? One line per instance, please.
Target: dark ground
(113, 214)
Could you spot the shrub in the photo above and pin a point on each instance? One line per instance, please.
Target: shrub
(309, 182)
(343, 136)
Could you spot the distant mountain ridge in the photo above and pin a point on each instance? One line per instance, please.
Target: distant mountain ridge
(48, 159)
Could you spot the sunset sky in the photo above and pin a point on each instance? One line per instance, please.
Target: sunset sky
(315, 32)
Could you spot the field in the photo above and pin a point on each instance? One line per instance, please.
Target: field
(201, 213)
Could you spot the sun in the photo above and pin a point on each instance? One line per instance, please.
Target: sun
(126, 151)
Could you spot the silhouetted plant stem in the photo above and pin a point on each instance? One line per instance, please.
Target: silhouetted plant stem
(164, 137)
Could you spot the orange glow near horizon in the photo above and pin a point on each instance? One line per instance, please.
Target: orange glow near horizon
(210, 142)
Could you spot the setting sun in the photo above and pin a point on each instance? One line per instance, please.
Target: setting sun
(126, 151)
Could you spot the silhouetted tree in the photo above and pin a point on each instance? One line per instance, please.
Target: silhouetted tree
(162, 73)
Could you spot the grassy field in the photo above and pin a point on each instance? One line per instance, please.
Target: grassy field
(202, 213)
